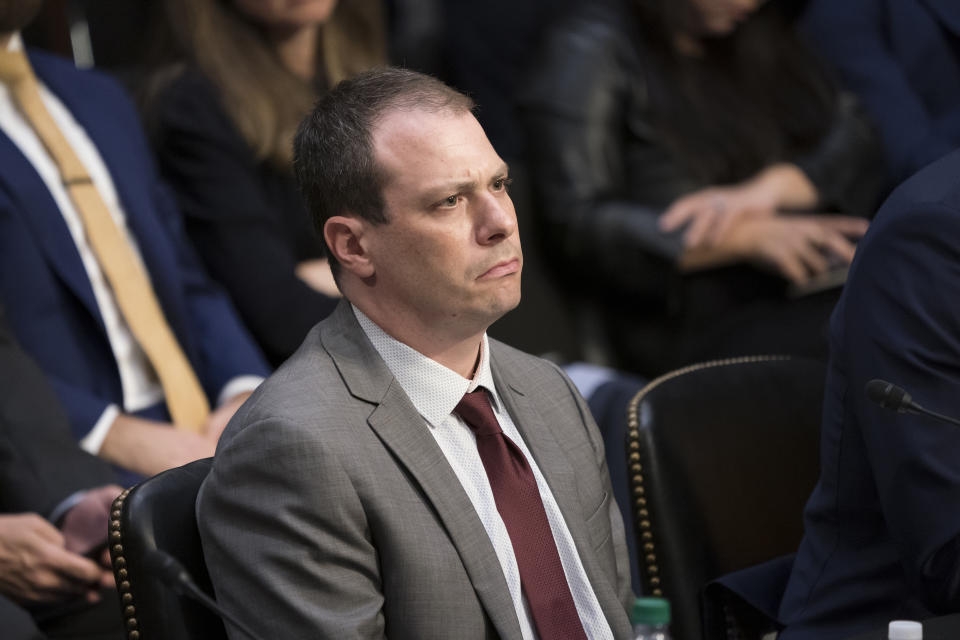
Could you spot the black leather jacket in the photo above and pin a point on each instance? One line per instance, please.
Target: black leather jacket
(602, 176)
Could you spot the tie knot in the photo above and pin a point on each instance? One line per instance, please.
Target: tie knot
(476, 411)
(14, 67)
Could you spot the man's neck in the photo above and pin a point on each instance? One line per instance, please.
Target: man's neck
(458, 351)
(6, 39)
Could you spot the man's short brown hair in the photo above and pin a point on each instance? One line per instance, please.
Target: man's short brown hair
(334, 157)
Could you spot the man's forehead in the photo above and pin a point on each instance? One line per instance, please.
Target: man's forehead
(433, 146)
(405, 125)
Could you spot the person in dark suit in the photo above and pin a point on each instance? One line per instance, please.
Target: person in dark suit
(882, 527)
(99, 348)
(221, 116)
(403, 475)
(902, 59)
(54, 505)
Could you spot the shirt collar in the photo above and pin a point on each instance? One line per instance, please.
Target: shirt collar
(433, 389)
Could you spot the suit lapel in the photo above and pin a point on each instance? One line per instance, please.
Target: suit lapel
(43, 218)
(560, 476)
(111, 138)
(540, 440)
(402, 430)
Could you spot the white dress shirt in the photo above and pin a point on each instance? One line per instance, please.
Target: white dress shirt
(435, 391)
(141, 387)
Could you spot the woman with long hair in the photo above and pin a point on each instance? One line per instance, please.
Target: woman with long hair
(686, 154)
(234, 79)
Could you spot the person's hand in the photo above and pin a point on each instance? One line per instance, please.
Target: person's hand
(85, 527)
(798, 247)
(317, 274)
(219, 417)
(35, 566)
(709, 213)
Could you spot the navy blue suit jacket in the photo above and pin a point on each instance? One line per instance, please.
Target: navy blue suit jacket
(882, 527)
(43, 286)
(902, 59)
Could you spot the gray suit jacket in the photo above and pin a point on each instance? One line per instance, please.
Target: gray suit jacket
(331, 512)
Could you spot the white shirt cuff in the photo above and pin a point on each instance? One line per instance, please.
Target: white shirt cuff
(92, 442)
(240, 384)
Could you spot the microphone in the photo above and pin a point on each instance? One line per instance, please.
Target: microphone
(174, 575)
(889, 396)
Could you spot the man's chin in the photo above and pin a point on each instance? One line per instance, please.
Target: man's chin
(503, 305)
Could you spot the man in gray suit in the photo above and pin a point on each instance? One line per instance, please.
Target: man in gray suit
(402, 475)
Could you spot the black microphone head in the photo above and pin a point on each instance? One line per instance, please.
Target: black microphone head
(888, 395)
(166, 568)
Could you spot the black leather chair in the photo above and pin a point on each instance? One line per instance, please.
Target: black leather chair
(158, 513)
(722, 457)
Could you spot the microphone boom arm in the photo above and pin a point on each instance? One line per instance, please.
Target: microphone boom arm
(889, 396)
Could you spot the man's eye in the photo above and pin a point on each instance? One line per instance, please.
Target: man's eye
(450, 201)
(501, 184)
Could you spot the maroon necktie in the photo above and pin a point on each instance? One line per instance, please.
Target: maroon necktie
(518, 501)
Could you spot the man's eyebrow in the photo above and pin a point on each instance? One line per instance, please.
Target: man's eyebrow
(467, 185)
(502, 171)
(445, 189)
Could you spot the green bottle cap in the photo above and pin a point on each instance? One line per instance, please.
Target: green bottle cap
(650, 611)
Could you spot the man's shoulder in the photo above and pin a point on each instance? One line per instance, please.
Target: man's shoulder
(536, 375)
(908, 257)
(91, 95)
(307, 389)
(922, 211)
(934, 188)
(52, 67)
(504, 354)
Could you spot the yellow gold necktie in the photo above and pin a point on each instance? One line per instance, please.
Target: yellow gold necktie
(126, 275)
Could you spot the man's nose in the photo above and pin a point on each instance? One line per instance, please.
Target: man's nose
(496, 218)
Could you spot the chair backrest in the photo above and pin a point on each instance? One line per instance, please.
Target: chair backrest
(159, 513)
(722, 457)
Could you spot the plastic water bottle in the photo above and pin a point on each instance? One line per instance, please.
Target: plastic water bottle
(905, 630)
(651, 619)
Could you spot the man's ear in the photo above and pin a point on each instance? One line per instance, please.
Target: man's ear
(345, 238)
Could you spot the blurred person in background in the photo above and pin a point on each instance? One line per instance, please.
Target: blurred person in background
(674, 146)
(232, 82)
(902, 59)
(55, 573)
(882, 527)
(97, 278)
